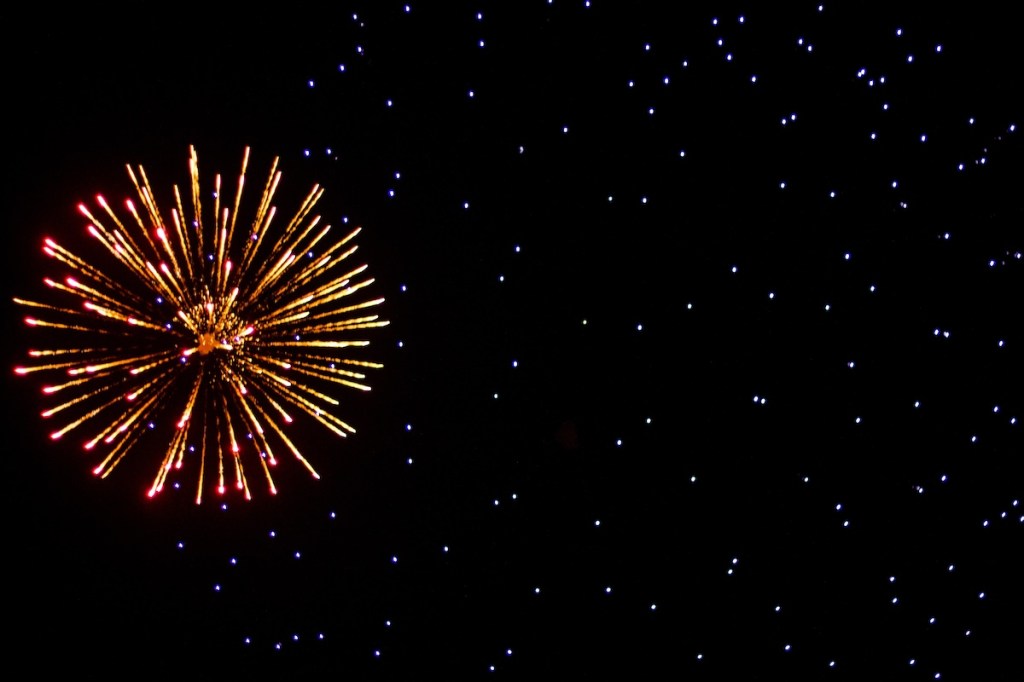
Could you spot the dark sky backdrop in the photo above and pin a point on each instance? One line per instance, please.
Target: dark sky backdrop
(565, 466)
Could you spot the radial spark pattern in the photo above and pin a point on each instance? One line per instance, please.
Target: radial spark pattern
(229, 329)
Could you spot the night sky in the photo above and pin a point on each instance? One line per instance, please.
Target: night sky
(704, 356)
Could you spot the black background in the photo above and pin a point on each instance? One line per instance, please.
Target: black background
(97, 580)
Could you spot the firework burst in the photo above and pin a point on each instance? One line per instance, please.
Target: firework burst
(225, 328)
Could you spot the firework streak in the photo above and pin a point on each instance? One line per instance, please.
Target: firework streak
(174, 328)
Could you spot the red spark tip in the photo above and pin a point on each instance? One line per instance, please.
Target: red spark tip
(55, 435)
(20, 370)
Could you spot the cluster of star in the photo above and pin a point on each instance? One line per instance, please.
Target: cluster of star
(728, 363)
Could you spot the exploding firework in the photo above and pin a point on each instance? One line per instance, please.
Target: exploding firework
(230, 330)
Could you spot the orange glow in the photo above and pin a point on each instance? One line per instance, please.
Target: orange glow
(207, 343)
(217, 326)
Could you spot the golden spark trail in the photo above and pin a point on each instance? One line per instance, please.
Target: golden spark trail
(191, 339)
